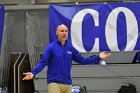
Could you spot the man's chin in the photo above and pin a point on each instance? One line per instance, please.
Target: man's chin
(64, 39)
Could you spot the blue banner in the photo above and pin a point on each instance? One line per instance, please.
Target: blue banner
(1, 23)
(98, 27)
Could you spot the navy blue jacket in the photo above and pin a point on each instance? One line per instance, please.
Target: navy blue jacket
(59, 60)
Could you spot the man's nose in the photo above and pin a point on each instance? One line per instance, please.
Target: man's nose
(65, 33)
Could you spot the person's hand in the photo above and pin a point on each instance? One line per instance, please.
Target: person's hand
(104, 55)
(28, 76)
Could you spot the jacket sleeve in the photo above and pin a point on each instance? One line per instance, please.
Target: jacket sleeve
(77, 57)
(43, 62)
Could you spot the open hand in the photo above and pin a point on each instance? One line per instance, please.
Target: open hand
(104, 55)
(28, 76)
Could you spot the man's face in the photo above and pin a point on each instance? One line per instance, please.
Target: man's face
(62, 33)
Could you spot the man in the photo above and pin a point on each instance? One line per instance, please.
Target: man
(58, 56)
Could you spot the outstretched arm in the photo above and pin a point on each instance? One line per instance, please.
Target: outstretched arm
(43, 62)
(77, 57)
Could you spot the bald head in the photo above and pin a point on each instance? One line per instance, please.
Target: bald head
(62, 33)
(62, 26)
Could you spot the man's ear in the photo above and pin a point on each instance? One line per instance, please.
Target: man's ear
(56, 33)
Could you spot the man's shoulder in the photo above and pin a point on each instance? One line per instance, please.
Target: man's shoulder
(51, 45)
(70, 47)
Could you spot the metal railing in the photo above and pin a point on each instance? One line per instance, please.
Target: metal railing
(6, 48)
(33, 38)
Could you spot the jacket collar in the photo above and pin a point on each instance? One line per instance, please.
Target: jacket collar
(61, 44)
